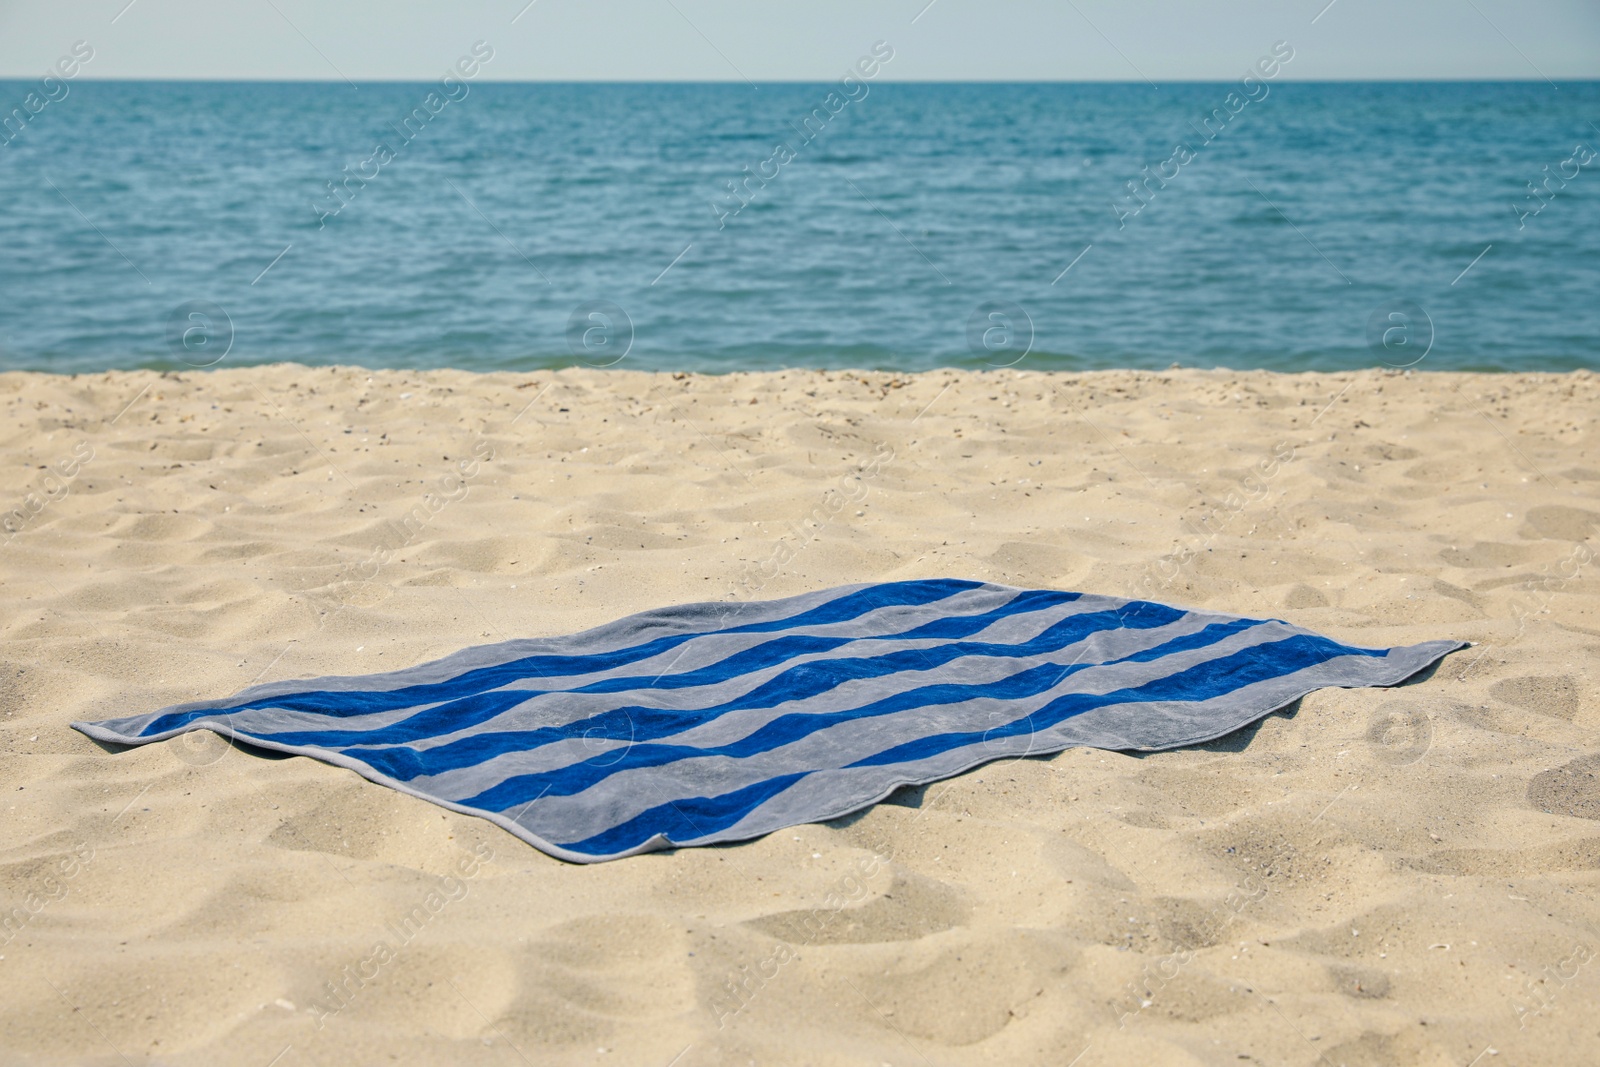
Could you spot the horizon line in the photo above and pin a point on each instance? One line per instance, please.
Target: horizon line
(1451, 79)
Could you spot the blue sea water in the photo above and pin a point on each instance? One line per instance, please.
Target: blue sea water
(1317, 226)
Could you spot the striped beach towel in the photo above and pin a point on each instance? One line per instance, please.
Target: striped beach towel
(720, 722)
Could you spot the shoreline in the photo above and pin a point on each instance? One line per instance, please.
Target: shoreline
(1176, 369)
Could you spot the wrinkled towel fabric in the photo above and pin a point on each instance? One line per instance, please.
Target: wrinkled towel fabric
(721, 722)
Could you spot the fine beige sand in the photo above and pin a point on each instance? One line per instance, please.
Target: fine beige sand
(1373, 877)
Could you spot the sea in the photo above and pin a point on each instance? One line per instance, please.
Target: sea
(876, 225)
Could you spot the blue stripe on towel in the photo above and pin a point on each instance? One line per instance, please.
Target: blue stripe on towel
(720, 722)
(796, 683)
(348, 703)
(788, 729)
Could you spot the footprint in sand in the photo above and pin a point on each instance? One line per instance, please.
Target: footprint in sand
(1573, 789)
(913, 907)
(1555, 695)
(1560, 522)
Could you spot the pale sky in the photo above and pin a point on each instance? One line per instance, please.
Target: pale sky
(733, 40)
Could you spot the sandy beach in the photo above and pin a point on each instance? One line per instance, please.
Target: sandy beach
(1371, 877)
